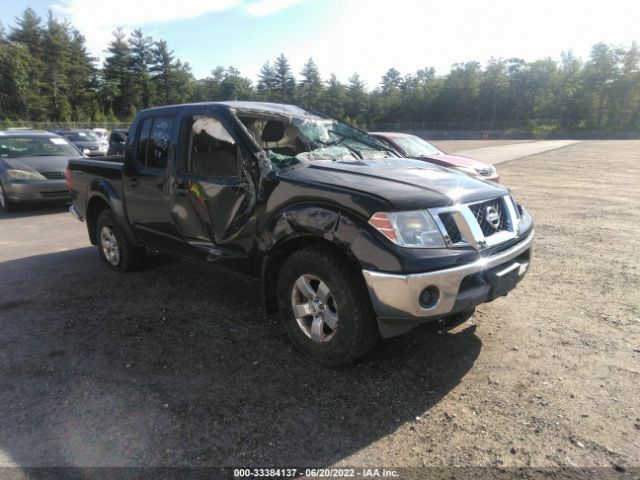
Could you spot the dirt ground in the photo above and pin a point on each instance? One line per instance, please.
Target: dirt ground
(177, 365)
(452, 146)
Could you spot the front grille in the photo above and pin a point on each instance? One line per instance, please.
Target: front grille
(61, 193)
(53, 175)
(479, 210)
(450, 226)
(485, 172)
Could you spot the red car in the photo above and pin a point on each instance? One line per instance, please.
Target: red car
(412, 146)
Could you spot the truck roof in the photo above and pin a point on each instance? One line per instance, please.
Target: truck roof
(259, 107)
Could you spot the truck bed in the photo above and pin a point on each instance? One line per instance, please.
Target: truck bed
(86, 172)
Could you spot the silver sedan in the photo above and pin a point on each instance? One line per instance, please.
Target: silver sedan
(33, 166)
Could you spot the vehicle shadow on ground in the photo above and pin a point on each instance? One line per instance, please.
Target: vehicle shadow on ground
(33, 210)
(178, 365)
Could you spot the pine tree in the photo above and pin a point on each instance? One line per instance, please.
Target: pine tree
(16, 95)
(285, 84)
(234, 86)
(82, 83)
(391, 80)
(356, 99)
(117, 82)
(141, 60)
(57, 48)
(267, 82)
(163, 70)
(173, 79)
(28, 32)
(310, 90)
(335, 97)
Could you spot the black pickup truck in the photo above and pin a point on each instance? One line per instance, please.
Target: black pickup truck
(349, 241)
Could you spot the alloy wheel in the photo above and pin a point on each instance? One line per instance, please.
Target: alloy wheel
(315, 308)
(110, 247)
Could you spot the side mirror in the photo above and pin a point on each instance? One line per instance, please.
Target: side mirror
(86, 152)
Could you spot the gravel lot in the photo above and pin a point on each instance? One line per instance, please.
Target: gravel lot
(178, 365)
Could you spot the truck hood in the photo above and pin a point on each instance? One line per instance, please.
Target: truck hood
(446, 159)
(406, 184)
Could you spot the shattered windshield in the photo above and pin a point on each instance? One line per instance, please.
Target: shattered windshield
(291, 141)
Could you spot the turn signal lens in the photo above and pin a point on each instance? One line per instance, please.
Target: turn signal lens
(382, 223)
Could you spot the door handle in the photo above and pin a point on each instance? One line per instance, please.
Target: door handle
(180, 188)
(134, 182)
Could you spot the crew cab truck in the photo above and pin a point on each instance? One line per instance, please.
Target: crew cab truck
(349, 241)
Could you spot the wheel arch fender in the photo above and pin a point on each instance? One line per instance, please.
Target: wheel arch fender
(101, 195)
(302, 226)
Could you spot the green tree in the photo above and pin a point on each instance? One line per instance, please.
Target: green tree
(82, 79)
(600, 74)
(357, 104)
(285, 84)
(57, 48)
(494, 88)
(118, 86)
(16, 96)
(163, 70)
(141, 51)
(28, 31)
(267, 82)
(310, 88)
(335, 97)
(234, 86)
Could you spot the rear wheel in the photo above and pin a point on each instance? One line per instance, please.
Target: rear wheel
(114, 247)
(5, 204)
(325, 308)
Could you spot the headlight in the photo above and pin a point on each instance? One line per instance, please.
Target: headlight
(467, 170)
(408, 229)
(22, 175)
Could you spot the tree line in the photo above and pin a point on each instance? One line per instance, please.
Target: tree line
(48, 74)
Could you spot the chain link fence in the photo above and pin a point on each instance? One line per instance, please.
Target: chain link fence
(49, 126)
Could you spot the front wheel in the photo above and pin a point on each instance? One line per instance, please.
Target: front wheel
(114, 247)
(325, 307)
(5, 205)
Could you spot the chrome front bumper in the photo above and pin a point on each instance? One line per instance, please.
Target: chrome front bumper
(397, 297)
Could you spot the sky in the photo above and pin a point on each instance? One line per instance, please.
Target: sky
(345, 36)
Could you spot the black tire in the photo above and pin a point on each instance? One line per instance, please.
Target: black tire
(129, 256)
(356, 332)
(5, 204)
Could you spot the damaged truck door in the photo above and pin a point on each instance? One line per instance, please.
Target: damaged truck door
(213, 194)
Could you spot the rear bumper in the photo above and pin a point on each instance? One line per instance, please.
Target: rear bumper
(97, 153)
(397, 298)
(36, 191)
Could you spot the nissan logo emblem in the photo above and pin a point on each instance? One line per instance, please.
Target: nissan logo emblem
(493, 217)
